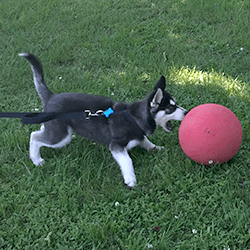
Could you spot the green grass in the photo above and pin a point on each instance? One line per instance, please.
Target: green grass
(119, 49)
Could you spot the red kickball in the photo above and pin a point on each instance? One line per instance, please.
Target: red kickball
(210, 133)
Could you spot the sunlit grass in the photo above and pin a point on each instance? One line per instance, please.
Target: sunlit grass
(186, 76)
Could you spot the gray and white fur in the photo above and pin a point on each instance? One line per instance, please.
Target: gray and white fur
(127, 127)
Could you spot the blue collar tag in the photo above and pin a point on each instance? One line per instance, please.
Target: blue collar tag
(108, 112)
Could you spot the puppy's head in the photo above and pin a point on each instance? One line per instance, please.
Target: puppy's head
(163, 107)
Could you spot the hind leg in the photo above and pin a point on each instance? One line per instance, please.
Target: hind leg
(35, 145)
(57, 138)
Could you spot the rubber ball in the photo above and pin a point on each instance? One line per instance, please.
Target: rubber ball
(210, 133)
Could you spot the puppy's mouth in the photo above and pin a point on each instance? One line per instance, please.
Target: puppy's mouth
(169, 126)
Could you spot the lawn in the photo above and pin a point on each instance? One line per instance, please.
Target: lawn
(119, 49)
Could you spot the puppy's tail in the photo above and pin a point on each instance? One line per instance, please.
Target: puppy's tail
(37, 69)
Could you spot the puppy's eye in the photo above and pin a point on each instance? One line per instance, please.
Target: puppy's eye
(170, 109)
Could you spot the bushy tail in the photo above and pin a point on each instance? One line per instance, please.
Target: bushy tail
(37, 69)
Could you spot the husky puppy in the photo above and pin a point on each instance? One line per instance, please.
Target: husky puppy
(119, 125)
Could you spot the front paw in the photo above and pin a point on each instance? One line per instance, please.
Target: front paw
(38, 161)
(157, 148)
(130, 181)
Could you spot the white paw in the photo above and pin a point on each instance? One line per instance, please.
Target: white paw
(130, 181)
(157, 148)
(38, 161)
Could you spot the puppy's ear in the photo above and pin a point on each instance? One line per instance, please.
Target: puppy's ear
(155, 102)
(161, 84)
